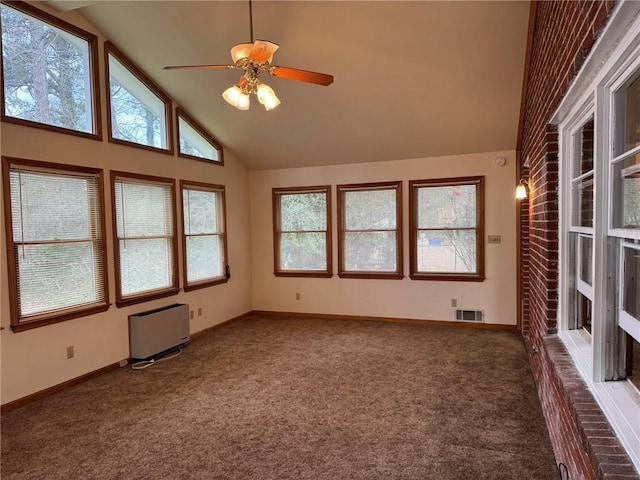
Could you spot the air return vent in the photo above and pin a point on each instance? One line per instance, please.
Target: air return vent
(469, 315)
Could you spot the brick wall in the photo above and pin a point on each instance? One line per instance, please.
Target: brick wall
(563, 34)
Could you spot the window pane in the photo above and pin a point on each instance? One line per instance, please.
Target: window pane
(583, 149)
(46, 73)
(194, 144)
(370, 210)
(204, 257)
(631, 287)
(586, 259)
(632, 116)
(145, 265)
(47, 207)
(57, 276)
(583, 202)
(447, 207)
(370, 251)
(584, 312)
(143, 210)
(303, 212)
(200, 212)
(447, 251)
(303, 251)
(137, 114)
(626, 188)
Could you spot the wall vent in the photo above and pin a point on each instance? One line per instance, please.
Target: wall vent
(469, 315)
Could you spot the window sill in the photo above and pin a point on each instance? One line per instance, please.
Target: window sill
(619, 401)
(309, 274)
(210, 283)
(125, 302)
(372, 275)
(50, 320)
(453, 277)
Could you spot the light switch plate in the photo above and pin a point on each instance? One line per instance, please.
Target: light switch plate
(494, 239)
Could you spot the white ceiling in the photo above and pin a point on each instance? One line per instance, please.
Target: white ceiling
(412, 79)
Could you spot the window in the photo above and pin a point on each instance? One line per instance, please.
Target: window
(302, 231)
(581, 228)
(370, 244)
(55, 234)
(599, 200)
(139, 111)
(145, 237)
(195, 142)
(48, 72)
(447, 229)
(205, 245)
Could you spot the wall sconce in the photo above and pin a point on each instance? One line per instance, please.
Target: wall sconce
(522, 189)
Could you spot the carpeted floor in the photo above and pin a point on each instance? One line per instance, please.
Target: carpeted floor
(283, 398)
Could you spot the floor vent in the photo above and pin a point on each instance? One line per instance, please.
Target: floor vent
(469, 315)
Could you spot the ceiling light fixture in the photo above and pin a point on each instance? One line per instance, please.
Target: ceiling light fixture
(241, 54)
(255, 58)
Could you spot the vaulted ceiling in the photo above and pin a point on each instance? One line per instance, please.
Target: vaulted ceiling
(412, 79)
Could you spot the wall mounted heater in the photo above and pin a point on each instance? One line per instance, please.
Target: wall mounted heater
(158, 331)
(469, 315)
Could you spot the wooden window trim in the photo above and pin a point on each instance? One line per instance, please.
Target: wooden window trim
(92, 41)
(186, 184)
(69, 313)
(173, 289)
(398, 274)
(414, 185)
(110, 49)
(180, 113)
(276, 193)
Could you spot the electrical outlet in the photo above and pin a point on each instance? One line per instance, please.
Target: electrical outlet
(454, 302)
(297, 296)
(70, 353)
(190, 314)
(494, 239)
(199, 311)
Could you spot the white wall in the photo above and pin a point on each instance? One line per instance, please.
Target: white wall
(406, 298)
(34, 360)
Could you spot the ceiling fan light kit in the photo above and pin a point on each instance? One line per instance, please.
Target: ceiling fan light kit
(255, 58)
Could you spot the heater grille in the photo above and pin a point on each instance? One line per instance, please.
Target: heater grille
(469, 315)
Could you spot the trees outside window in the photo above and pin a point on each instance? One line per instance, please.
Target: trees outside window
(370, 242)
(302, 231)
(195, 142)
(48, 72)
(139, 111)
(447, 229)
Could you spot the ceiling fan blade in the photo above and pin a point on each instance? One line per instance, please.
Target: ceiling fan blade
(301, 75)
(176, 67)
(263, 51)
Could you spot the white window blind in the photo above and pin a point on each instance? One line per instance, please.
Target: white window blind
(203, 213)
(145, 236)
(57, 241)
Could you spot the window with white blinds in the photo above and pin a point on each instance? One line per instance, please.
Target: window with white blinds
(56, 237)
(145, 238)
(204, 234)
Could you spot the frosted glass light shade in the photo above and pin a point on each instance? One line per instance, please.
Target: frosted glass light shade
(232, 94)
(267, 97)
(521, 192)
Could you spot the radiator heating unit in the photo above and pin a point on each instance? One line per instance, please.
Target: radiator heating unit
(155, 333)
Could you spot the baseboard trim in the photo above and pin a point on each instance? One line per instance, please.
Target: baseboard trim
(21, 402)
(483, 326)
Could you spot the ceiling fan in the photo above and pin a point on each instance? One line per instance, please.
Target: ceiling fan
(255, 58)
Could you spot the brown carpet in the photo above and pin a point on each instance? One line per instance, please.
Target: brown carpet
(281, 398)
